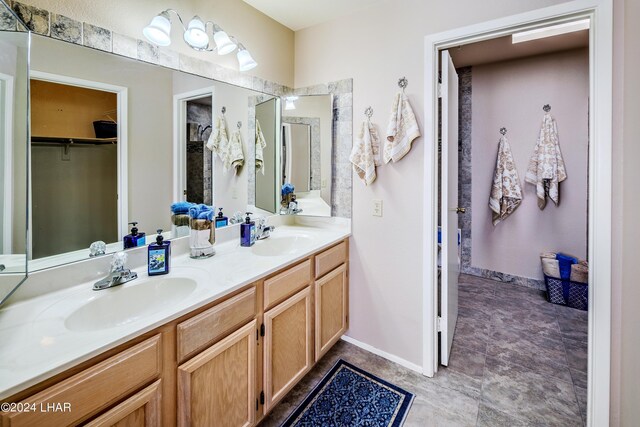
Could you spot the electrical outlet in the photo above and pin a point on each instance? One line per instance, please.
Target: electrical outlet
(323, 183)
(234, 192)
(377, 207)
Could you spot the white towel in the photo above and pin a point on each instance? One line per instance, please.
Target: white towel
(546, 168)
(506, 193)
(365, 153)
(219, 136)
(261, 143)
(402, 129)
(235, 157)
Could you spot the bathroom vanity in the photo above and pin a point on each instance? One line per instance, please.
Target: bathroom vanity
(255, 322)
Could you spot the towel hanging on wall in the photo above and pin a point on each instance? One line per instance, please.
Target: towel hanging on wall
(506, 192)
(546, 168)
(402, 129)
(260, 144)
(365, 153)
(235, 156)
(219, 136)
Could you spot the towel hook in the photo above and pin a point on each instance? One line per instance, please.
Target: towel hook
(503, 131)
(239, 125)
(403, 82)
(368, 112)
(546, 108)
(224, 109)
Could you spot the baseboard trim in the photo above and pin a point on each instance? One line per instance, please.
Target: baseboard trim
(395, 359)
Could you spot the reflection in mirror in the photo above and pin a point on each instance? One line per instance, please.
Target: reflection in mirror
(267, 140)
(158, 122)
(14, 84)
(307, 132)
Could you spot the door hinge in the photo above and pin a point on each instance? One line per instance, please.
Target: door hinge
(257, 404)
(439, 90)
(439, 324)
(257, 334)
(262, 330)
(262, 397)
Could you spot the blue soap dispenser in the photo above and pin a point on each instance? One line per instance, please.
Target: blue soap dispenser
(159, 256)
(135, 238)
(221, 220)
(248, 231)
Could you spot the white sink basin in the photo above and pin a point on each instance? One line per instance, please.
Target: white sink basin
(125, 304)
(281, 245)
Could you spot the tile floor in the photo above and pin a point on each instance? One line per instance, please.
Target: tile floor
(517, 360)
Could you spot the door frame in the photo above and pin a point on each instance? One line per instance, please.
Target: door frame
(180, 139)
(122, 94)
(600, 178)
(7, 214)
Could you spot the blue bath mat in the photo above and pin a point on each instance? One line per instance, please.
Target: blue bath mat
(348, 397)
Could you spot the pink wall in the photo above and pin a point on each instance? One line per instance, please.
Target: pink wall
(512, 94)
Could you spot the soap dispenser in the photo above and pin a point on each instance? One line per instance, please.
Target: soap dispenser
(135, 238)
(221, 220)
(159, 256)
(248, 231)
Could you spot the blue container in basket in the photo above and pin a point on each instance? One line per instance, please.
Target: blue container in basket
(566, 292)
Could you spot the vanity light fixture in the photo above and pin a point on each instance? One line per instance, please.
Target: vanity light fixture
(289, 102)
(195, 35)
(550, 31)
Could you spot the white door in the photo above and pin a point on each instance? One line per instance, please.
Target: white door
(449, 221)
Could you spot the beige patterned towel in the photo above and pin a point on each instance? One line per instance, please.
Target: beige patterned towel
(506, 193)
(365, 153)
(235, 157)
(219, 136)
(402, 129)
(546, 168)
(260, 144)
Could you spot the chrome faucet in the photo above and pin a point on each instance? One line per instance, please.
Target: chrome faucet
(292, 209)
(117, 275)
(263, 230)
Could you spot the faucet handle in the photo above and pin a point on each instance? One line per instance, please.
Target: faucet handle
(118, 261)
(262, 222)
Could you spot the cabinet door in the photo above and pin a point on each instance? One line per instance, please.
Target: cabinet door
(217, 387)
(140, 410)
(331, 309)
(287, 345)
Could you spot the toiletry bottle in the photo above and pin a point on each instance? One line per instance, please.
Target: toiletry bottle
(221, 220)
(159, 256)
(247, 231)
(135, 238)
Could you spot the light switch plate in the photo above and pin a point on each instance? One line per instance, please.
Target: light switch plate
(234, 192)
(377, 207)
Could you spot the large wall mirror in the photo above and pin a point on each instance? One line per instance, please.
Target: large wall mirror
(116, 140)
(306, 151)
(14, 86)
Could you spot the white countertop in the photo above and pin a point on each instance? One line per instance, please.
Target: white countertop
(36, 343)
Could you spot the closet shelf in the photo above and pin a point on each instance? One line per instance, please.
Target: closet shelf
(46, 140)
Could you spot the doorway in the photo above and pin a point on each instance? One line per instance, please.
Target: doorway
(599, 206)
(78, 158)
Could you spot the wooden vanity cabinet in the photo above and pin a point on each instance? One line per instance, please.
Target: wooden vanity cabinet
(223, 365)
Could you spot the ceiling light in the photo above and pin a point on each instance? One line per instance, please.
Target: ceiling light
(245, 59)
(289, 102)
(550, 31)
(159, 30)
(196, 34)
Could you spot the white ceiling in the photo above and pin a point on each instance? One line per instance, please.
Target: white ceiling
(299, 14)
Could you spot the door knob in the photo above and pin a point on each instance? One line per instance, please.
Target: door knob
(461, 210)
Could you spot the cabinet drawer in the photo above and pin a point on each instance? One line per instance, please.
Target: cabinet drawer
(93, 389)
(202, 330)
(330, 259)
(287, 283)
